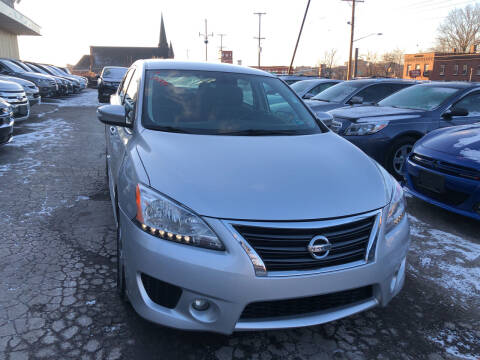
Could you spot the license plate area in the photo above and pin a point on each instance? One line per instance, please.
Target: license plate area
(431, 181)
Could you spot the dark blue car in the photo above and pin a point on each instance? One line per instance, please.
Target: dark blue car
(387, 131)
(444, 169)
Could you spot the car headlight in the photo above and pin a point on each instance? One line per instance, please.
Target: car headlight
(396, 208)
(366, 128)
(163, 218)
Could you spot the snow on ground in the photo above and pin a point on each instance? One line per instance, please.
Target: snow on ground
(447, 260)
(43, 131)
(87, 97)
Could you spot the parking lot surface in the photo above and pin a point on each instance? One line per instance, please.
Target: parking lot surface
(57, 269)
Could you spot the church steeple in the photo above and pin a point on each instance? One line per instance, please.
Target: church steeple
(162, 43)
(171, 54)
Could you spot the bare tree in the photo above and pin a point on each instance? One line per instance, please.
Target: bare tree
(329, 61)
(392, 62)
(460, 29)
(372, 66)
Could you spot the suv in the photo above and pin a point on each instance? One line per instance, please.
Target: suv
(388, 130)
(46, 84)
(14, 94)
(108, 82)
(231, 216)
(6, 122)
(355, 92)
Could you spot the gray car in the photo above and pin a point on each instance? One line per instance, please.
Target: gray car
(14, 94)
(232, 215)
(307, 89)
(32, 91)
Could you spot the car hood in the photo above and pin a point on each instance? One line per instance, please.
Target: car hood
(17, 80)
(461, 142)
(356, 113)
(263, 178)
(322, 106)
(10, 86)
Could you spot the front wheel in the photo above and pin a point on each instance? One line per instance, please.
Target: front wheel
(398, 154)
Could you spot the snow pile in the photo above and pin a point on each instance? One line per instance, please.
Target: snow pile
(467, 141)
(447, 259)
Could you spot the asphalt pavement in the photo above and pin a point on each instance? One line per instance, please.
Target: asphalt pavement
(57, 269)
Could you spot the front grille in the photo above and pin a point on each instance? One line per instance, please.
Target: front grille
(287, 249)
(160, 292)
(445, 167)
(448, 197)
(306, 305)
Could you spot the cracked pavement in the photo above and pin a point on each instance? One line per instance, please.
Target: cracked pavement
(57, 266)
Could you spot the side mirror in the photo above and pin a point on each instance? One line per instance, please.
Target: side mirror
(455, 112)
(308, 96)
(356, 100)
(112, 115)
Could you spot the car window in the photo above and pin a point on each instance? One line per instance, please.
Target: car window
(420, 97)
(339, 92)
(377, 92)
(319, 88)
(126, 81)
(209, 102)
(471, 103)
(116, 73)
(132, 88)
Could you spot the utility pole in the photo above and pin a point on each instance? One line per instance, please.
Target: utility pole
(355, 67)
(260, 38)
(206, 35)
(221, 41)
(298, 39)
(352, 31)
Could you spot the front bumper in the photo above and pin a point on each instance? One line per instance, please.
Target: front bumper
(21, 111)
(48, 91)
(453, 184)
(6, 129)
(227, 280)
(34, 99)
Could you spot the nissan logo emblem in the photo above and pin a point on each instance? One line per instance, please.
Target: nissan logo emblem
(319, 247)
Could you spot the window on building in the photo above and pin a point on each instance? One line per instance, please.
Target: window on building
(426, 67)
(417, 66)
(409, 67)
(464, 69)
(455, 69)
(442, 69)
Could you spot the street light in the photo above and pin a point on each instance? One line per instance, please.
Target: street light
(356, 52)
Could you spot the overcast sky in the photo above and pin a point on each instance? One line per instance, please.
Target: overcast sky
(70, 27)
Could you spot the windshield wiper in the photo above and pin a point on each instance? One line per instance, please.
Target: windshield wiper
(320, 99)
(257, 132)
(173, 129)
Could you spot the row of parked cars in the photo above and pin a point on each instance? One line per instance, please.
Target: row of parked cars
(23, 84)
(389, 119)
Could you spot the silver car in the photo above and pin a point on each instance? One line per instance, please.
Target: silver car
(234, 215)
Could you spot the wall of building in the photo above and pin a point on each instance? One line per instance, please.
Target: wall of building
(9, 45)
(423, 62)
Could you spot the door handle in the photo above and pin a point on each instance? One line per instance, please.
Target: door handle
(113, 130)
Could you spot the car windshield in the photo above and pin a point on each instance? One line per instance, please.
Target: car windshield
(116, 73)
(37, 69)
(339, 92)
(13, 66)
(220, 103)
(302, 86)
(419, 97)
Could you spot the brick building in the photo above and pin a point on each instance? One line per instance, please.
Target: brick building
(443, 66)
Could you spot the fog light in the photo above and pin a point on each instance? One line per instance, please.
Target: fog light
(200, 304)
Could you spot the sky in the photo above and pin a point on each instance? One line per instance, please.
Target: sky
(69, 27)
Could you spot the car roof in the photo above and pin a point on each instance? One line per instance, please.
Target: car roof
(452, 84)
(316, 81)
(381, 80)
(158, 64)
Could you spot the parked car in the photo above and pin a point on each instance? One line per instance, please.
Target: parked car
(6, 122)
(64, 87)
(79, 83)
(355, 92)
(307, 89)
(73, 84)
(61, 71)
(14, 94)
(108, 82)
(231, 216)
(292, 79)
(33, 94)
(388, 130)
(444, 169)
(46, 84)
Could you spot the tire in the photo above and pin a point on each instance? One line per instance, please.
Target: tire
(397, 155)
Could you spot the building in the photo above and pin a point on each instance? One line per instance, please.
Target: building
(443, 66)
(12, 24)
(101, 56)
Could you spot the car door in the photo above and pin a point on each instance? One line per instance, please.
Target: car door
(115, 135)
(469, 102)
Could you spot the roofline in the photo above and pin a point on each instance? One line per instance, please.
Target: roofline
(15, 22)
